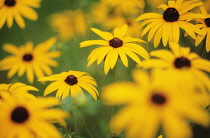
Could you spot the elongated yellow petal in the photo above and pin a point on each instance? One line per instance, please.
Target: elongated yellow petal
(105, 35)
(149, 15)
(19, 20)
(191, 6)
(29, 13)
(123, 56)
(128, 39)
(93, 42)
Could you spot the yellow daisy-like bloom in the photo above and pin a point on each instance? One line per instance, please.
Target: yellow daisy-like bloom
(30, 60)
(205, 29)
(15, 9)
(167, 25)
(23, 118)
(182, 66)
(70, 83)
(114, 46)
(18, 89)
(68, 24)
(150, 103)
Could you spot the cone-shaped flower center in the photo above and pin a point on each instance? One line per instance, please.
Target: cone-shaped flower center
(182, 62)
(9, 2)
(158, 99)
(115, 42)
(71, 80)
(27, 57)
(19, 115)
(207, 22)
(171, 15)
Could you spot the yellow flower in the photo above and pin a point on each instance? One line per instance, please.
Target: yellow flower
(23, 118)
(70, 83)
(151, 102)
(18, 89)
(14, 10)
(205, 30)
(30, 60)
(114, 46)
(167, 25)
(68, 24)
(182, 66)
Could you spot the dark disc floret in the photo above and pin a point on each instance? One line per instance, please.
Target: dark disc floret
(207, 22)
(115, 42)
(9, 2)
(182, 62)
(19, 115)
(27, 57)
(158, 99)
(171, 15)
(71, 80)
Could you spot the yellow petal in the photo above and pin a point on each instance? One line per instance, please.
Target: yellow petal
(105, 35)
(148, 16)
(93, 42)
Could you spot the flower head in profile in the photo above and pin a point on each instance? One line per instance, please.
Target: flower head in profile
(68, 24)
(30, 60)
(181, 65)
(23, 118)
(205, 29)
(150, 103)
(114, 46)
(18, 89)
(71, 83)
(14, 10)
(167, 25)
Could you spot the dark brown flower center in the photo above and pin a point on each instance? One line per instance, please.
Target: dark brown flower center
(115, 42)
(158, 99)
(207, 22)
(19, 115)
(182, 62)
(171, 15)
(9, 3)
(27, 57)
(71, 80)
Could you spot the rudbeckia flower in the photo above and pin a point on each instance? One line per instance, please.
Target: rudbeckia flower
(205, 30)
(68, 24)
(70, 83)
(167, 25)
(30, 60)
(21, 118)
(18, 89)
(182, 66)
(14, 10)
(150, 103)
(115, 46)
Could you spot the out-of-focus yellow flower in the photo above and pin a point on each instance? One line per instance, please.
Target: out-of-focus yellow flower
(69, 24)
(70, 83)
(14, 10)
(112, 14)
(151, 102)
(18, 89)
(30, 60)
(182, 66)
(114, 46)
(29, 118)
(167, 25)
(205, 29)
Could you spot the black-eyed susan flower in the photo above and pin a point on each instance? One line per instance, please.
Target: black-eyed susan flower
(14, 10)
(115, 46)
(71, 83)
(30, 60)
(68, 24)
(150, 103)
(205, 30)
(182, 66)
(23, 118)
(18, 89)
(167, 25)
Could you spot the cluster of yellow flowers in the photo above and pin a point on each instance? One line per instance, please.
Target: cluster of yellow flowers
(170, 88)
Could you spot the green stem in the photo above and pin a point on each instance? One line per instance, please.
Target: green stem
(83, 121)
